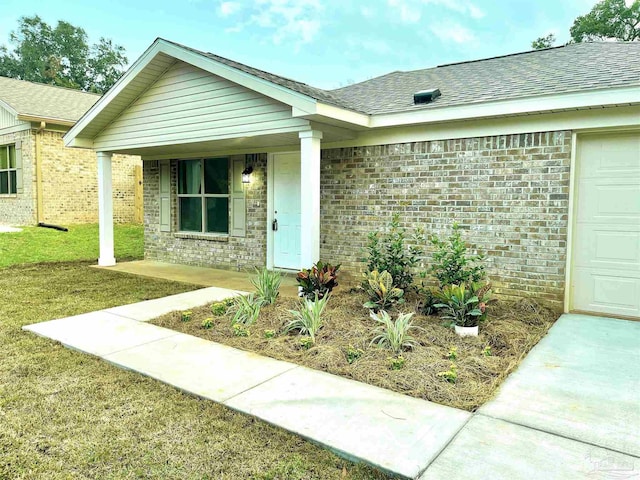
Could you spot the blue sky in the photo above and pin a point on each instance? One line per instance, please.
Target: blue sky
(326, 43)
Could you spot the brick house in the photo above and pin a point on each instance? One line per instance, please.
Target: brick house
(536, 155)
(41, 180)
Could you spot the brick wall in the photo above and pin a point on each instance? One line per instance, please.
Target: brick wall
(20, 209)
(70, 183)
(510, 193)
(191, 249)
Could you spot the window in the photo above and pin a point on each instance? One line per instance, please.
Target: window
(8, 170)
(203, 195)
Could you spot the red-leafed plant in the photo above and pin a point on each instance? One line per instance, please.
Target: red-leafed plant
(318, 280)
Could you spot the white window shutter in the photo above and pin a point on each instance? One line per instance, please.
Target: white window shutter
(238, 202)
(165, 195)
(19, 179)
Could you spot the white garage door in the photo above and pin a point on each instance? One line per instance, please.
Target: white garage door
(606, 248)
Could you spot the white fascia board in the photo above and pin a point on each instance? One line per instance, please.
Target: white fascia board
(8, 108)
(334, 113)
(530, 105)
(79, 142)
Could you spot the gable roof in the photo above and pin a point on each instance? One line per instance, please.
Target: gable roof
(45, 102)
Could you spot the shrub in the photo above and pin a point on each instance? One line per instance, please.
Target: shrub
(460, 305)
(240, 330)
(269, 334)
(318, 280)
(428, 300)
(308, 319)
(306, 343)
(219, 308)
(207, 323)
(267, 284)
(382, 294)
(246, 310)
(453, 353)
(450, 375)
(397, 362)
(186, 316)
(394, 335)
(452, 264)
(486, 351)
(353, 354)
(388, 251)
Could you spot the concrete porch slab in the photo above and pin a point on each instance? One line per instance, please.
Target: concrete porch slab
(582, 381)
(394, 432)
(490, 448)
(200, 367)
(204, 276)
(145, 311)
(99, 333)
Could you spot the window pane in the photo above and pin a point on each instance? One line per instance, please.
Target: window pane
(216, 175)
(4, 161)
(12, 182)
(190, 214)
(218, 215)
(12, 157)
(4, 183)
(189, 178)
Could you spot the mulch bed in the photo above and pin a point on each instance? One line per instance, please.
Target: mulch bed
(510, 331)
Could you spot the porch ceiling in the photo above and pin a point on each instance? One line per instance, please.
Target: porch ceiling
(253, 144)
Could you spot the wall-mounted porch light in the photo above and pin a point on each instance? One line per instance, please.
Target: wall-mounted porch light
(246, 174)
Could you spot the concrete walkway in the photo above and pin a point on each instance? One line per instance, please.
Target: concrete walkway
(549, 419)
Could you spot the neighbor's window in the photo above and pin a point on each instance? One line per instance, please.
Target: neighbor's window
(203, 195)
(8, 170)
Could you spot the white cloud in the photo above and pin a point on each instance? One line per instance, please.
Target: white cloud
(451, 31)
(297, 21)
(229, 8)
(411, 11)
(373, 45)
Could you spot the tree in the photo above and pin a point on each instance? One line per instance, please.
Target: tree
(543, 42)
(608, 19)
(61, 56)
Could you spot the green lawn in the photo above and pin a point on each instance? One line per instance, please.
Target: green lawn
(67, 415)
(35, 244)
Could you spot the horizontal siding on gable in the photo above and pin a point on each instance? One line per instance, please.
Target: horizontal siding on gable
(187, 104)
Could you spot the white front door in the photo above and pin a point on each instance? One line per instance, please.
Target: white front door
(606, 248)
(286, 210)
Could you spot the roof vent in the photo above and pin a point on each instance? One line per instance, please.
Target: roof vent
(426, 96)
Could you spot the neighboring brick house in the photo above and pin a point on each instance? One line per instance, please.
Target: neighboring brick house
(536, 155)
(41, 180)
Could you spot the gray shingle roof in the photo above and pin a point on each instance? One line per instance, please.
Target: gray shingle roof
(571, 68)
(45, 101)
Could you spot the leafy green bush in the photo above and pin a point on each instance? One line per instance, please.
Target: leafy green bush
(318, 280)
(207, 323)
(269, 334)
(460, 305)
(219, 309)
(186, 316)
(246, 310)
(388, 251)
(452, 264)
(308, 319)
(397, 362)
(394, 335)
(450, 375)
(382, 294)
(267, 284)
(240, 330)
(352, 354)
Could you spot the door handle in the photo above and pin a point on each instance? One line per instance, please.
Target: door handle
(274, 225)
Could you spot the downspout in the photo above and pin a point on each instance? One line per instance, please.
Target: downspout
(39, 207)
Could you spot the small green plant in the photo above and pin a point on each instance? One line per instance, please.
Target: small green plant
(219, 309)
(240, 330)
(394, 335)
(428, 299)
(382, 294)
(389, 251)
(352, 353)
(452, 264)
(186, 316)
(453, 353)
(269, 334)
(486, 351)
(318, 280)
(396, 362)
(308, 319)
(246, 310)
(207, 323)
(460, 306)
(267, 284)
(306, 343)
(450, 375)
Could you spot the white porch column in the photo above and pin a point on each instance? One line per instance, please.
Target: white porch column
(105, 210)
(310, 197)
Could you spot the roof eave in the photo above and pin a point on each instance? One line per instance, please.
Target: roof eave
(41, 118)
